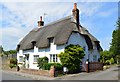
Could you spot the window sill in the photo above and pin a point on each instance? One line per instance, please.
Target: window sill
(20, 63)
(35, 63)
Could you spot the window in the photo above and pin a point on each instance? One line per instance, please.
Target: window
(50, 57)
(53, 58)
(51, 40)
(84, 48)
(20, 58)
(94, 58)
(36, 57)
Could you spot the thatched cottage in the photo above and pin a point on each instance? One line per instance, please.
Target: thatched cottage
(52, 39)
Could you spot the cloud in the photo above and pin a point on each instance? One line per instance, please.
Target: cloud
(107, 13)
(18, 18)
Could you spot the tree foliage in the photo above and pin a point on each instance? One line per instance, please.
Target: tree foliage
(1, 51)
(105, 55)
(72, 57)
(115, 45)
(10, 52)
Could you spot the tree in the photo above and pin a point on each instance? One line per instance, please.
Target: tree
(10, 52)
(1, 51)
(115, 45)
(72, 57)
(105, 55)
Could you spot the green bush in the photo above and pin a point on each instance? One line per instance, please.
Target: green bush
(13, 61)
(41, 62)
(58, 66)
(112, 61)
(72, 57)
(107, 62)
(12, 65)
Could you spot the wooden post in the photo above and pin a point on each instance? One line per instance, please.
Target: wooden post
(87, 66)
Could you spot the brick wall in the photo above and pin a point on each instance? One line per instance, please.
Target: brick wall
(36, 72)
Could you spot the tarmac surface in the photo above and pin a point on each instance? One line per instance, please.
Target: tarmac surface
(113, 73)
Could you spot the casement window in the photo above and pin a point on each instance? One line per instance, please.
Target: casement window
(36, 57)
(94, 58)
(21, 59)
(53, 58)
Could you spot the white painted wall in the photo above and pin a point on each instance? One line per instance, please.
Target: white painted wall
(75, 38)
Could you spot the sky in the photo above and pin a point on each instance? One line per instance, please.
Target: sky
(17, 18)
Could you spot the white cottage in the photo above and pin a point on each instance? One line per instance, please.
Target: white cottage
(52, 39)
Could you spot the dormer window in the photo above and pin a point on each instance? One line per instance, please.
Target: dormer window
(51, 40)
(33, 43)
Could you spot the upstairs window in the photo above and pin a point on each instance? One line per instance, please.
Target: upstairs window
(51, 40)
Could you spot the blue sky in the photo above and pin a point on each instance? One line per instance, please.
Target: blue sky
(18, 18)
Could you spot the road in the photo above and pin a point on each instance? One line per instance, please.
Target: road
(109, 74)
(12, 76)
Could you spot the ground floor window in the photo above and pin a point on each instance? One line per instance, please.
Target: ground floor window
(53, 58)
(35, 58)
(94, 58)
(21, 59)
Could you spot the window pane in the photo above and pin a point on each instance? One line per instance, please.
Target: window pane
(53, 57)
(36, 57)
(20, 58)
(50, 57)
(94, 58)
(56, 57)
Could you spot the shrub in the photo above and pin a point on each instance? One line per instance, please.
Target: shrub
(13, 61)
(107, 62)
(72, 57)
(112, 61)
(12, 65)
(58, 66)
(41, 62)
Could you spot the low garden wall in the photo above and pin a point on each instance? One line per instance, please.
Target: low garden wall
(93, 66)
(36, 72)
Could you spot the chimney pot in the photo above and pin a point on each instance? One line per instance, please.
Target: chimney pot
(40, 18)
(75, 6)
(40, 23)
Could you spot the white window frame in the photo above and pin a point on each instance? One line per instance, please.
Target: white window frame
(21, 59)
(35, 60)
(53, 58)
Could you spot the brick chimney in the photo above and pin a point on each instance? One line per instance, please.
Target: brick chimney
(75, 12)
(40, 23)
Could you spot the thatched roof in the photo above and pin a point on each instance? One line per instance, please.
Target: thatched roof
(60, 30)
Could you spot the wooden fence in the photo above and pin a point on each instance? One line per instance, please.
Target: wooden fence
(93, 66)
